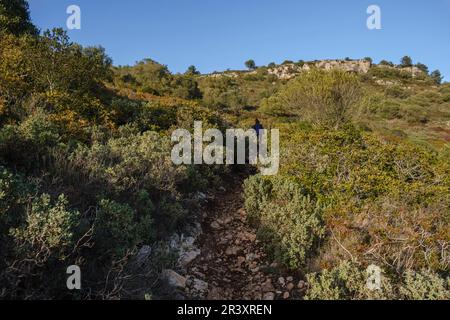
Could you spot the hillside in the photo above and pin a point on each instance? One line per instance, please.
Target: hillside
(87, 178)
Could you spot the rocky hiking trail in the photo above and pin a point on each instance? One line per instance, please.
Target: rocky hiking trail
(228, 262)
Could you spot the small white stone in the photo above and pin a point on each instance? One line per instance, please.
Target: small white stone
(269, 296)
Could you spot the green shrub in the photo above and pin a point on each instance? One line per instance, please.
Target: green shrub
(116, 228)
(422, 67)
(424, 285)
(156, 117)
(386, 63)
(289, 223)
(125, 110)
(345, 281)
(14, 195)
(348, 281)
(151, 77)
(365, 192)
(25, 145)
(324, 97)
(436, 77)
(131, 162)
(15, 18)
(147, 75)
(185, 87)
(135, 169)
(406, 61)
(391, 110)
(396, 92)
(48, 229)
(387, 72)
(37, 248)
(223, 93)
(250, 64)
(376, 192)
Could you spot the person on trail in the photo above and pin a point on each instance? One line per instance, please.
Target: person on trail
(258, 127)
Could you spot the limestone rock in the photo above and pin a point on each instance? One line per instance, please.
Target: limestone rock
(187, 257)
(174, 279)
(301, 284)
(269, 296)
(232, 251)
(143, 255)
(185, 246)
(215, 225)
(358, 66)
(267, 286)
(196, 287)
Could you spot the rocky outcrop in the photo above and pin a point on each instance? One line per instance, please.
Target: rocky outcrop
(175, 283)
(174, 279)
(358, 66)
(287, 71)
(184, 244)
(414, 71)
(290, 70)
(223, 74)
(383, 82)
(185, 247)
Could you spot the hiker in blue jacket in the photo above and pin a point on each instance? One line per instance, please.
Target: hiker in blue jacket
(258, 127)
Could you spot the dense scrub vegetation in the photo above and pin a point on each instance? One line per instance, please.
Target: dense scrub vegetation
(86, 176)
(85, 169)
(349, 196)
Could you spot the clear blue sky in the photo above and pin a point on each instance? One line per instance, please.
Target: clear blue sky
(221, 34)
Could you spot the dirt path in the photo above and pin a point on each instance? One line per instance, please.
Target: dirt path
(232, 261)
